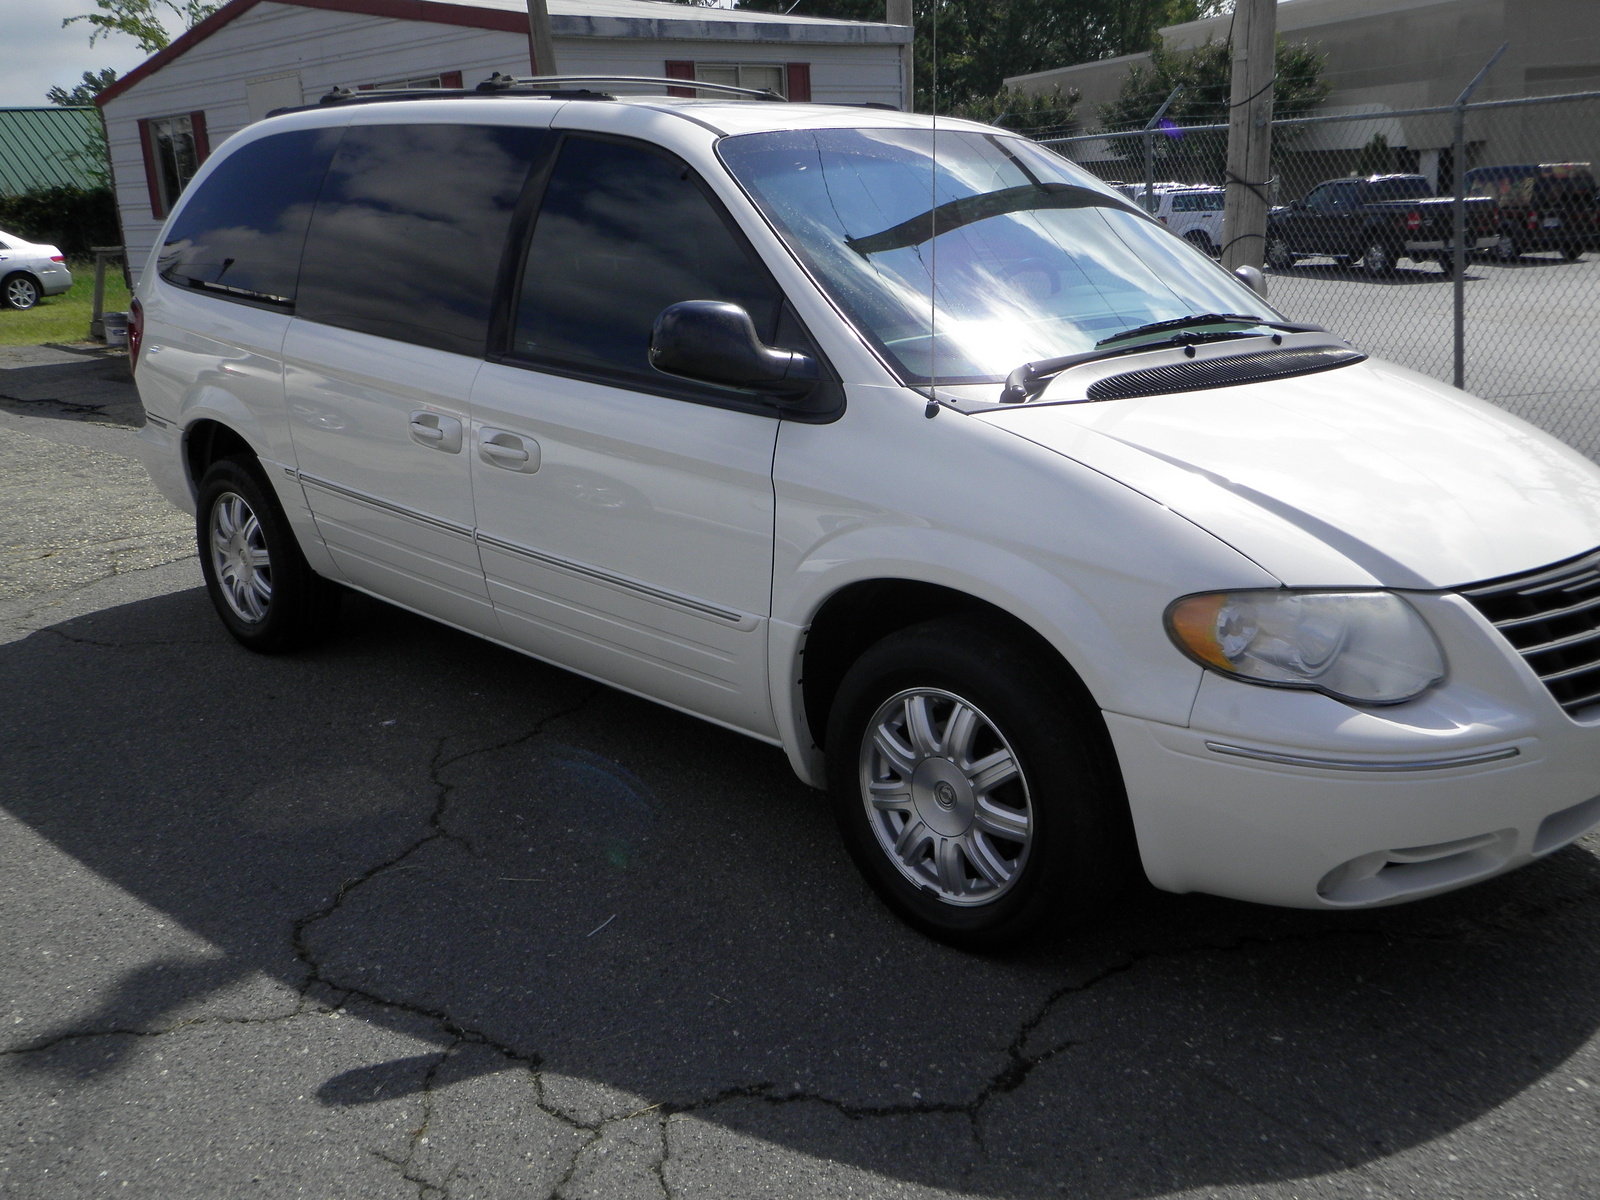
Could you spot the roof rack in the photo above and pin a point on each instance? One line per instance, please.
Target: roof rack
(500, 83)
(557, 87)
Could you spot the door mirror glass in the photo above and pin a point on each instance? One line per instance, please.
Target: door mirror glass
(716, 342)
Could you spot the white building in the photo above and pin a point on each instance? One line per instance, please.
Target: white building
(253, 56)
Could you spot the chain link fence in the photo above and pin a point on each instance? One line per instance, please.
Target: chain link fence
(1373, 258)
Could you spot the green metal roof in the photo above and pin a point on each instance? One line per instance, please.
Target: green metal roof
(49, 147)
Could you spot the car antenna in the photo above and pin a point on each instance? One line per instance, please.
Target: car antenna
(932, 410)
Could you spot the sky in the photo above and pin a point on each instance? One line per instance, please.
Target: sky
(36, 52)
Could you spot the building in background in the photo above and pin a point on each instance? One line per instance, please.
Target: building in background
(1390, 56)
(254, 56)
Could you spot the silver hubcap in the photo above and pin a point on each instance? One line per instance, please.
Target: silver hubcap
(20, 293)
(945, 796)
(239, 554)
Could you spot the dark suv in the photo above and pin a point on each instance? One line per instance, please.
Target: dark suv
(1541, 206)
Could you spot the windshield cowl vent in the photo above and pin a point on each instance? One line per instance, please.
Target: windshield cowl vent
(1198, 374)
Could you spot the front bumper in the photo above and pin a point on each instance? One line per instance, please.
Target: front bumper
(1294, 799)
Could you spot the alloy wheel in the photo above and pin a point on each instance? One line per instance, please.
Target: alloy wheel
(945, 796)
(21, 292)
(239, 554)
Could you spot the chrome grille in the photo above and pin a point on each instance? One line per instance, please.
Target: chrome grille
(1552, 618)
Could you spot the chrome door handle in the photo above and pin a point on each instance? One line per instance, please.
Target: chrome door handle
(436, 431)
(508, 451)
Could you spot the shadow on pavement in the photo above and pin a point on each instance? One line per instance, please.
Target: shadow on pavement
(597, 887)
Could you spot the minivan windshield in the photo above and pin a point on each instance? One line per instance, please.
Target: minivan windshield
(1034, 257)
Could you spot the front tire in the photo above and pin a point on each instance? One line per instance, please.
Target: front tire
(266, 594)
(1279, 256)
(19, 292)
(975, 790)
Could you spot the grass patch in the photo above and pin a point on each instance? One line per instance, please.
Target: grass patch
(64, 318)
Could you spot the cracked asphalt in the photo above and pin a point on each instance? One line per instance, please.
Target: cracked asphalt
(412, 916)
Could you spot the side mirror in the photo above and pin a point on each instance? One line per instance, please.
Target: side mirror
(716, 342)
(1253, 279)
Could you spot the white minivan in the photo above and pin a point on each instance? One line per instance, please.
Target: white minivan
(1046, 545)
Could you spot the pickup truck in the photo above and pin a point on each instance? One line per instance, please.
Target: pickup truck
(1376, 221)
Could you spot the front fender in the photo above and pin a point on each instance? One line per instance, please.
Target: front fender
(1082, 559)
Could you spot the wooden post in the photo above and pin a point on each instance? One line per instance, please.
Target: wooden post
(898, 12)
(97, 324)
(540, 43)
(1248, 196)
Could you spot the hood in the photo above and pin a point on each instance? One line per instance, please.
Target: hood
(1367, 474)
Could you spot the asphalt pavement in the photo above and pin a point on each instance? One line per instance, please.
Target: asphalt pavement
(409, 915)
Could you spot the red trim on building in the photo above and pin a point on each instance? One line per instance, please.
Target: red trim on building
(450, 79)
(202, 143)
(147, 144)
(398, 10)
(799, 82)
(678, 68)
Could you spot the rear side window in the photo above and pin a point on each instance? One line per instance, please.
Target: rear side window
(624, 231)
(408, 234)
(240, 234)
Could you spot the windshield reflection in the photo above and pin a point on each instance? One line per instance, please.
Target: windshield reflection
(1034, 258)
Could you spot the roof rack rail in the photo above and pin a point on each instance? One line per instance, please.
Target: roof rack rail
(503, 83)
(343, 95)
(557, 87)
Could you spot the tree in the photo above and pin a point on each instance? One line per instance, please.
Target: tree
(1205, 74)
(1035, 114)
(142, 19)
(94, 82)
(1376, 157)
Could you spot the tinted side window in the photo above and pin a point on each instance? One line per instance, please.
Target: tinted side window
(407, 236)
(240, 234)
(623, 232)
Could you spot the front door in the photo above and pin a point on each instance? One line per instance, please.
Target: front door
(624, 515)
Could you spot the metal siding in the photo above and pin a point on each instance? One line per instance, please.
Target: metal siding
(47, 147)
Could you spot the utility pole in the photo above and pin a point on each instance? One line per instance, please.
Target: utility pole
(541, 45)
(1247, 199)
(898, 12)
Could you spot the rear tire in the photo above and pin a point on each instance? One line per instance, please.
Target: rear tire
(1201, 241)
(264, 591)
(1572, 253)
(19, 292)
(976, 792)
(1378, 260)
(1507, 250)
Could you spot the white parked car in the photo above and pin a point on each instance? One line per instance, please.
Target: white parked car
(29, 271)
(1081, 563)
(1195, 215)
(1193, 211)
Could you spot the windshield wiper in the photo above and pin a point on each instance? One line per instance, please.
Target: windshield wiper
(1028, 379)
(1209, 319)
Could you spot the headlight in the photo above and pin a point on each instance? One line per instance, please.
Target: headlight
(1365, 647)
